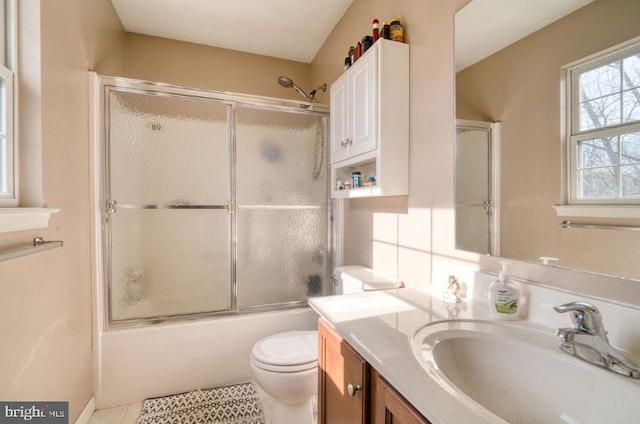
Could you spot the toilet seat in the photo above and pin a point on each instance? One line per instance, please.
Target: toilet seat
(292, 351)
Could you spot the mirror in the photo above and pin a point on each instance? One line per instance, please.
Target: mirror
(515, 79)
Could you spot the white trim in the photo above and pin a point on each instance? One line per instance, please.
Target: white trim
(18, 219)
(3, 31)
(87, 412)
(9, 198)
(623, 212)
(96, 105)
(496, 128)
(8, 72)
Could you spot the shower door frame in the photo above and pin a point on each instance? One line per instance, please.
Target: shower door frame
(492, 203)
(102, 207)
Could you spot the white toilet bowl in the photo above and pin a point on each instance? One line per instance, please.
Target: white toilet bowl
(285, 365)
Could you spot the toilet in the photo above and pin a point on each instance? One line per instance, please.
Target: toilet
(357, 279)
(285, 364)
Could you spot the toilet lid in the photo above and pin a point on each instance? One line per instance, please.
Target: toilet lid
(287, 349)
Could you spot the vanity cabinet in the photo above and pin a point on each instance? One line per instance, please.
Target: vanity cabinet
(343, 380)
(369, 122)
(389, 407)
(350, 391)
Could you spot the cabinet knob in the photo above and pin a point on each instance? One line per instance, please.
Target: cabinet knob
(352, 389)
(345, 143)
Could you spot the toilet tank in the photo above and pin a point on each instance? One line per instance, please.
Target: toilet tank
(357, 279)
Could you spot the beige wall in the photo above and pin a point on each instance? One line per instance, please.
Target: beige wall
(413, 236)
(410, 236)
(45, 299)
(520, 87)
(178, 62)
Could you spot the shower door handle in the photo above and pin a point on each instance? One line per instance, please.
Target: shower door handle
(113, 206)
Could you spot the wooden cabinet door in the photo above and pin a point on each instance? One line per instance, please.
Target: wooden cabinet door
(343, 380)
(389, 407)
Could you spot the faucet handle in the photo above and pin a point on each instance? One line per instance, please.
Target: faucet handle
(585, 316)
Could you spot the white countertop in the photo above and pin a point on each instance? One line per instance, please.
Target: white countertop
(379, 325)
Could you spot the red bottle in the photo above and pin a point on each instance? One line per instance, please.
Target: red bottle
(376, 30)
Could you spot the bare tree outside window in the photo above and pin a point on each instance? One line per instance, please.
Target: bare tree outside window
(607, 163)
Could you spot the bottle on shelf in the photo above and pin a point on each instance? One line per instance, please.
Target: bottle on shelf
(386, 31)
(396, 30)
(376, 29)
(367, 42)
(356, 179)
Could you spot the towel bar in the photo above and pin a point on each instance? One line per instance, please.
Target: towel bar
(39, 245)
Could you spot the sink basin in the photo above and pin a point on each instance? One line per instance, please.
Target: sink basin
(511, 373)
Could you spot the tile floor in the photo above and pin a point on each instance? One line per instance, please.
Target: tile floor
(128, 414)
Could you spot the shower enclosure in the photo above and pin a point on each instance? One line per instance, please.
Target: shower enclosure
(210, 202)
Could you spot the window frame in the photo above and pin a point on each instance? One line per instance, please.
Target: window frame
(573, 136)
(8, 62)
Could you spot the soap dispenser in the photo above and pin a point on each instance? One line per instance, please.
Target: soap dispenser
(504, 297)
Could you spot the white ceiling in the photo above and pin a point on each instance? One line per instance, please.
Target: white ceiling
(296, 29)
(485, 26)
(287, 29)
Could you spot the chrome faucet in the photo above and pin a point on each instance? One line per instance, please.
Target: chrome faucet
(588, 340)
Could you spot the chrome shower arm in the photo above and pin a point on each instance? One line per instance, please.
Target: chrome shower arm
(302, 93)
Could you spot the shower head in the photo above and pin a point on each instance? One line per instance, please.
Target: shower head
(287, 82)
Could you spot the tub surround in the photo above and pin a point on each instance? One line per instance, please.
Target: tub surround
(380, 326)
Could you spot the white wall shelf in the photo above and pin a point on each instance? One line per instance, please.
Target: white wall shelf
(20, 219)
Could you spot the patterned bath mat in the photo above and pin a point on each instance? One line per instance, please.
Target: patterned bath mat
(235, 404)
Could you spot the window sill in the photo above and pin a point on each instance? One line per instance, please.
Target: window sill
(610, 211)
(19, 219)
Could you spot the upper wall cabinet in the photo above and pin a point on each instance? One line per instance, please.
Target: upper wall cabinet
(354, 94)
(370, 123)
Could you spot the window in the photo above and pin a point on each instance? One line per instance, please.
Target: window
(8, 169)
(604, 128)
(29, 214)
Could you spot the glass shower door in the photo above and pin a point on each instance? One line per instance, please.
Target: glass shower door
(281, 191)
(473, 195)
(167, 193)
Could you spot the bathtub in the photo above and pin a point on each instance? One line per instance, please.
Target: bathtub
(137, 363)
